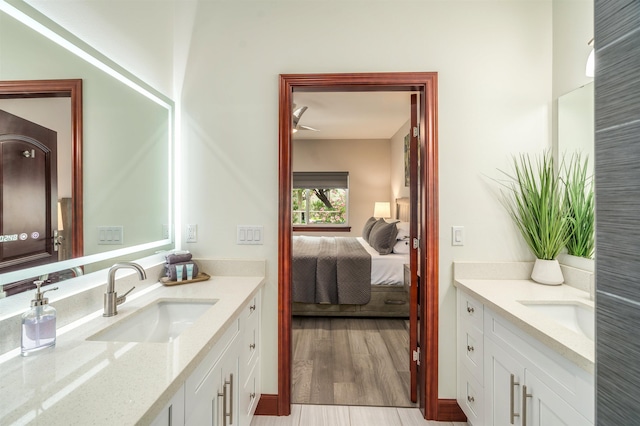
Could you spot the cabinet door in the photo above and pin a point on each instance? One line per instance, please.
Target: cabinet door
(230, 386)
(543, 407)
(503, 379)
(206, 403)
(173, 413)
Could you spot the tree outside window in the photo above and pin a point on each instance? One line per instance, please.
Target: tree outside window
(319, 206)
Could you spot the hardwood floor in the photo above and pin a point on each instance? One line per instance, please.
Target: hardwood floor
(351, 361)
(336, 415)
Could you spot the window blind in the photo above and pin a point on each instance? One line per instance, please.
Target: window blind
(310, 180)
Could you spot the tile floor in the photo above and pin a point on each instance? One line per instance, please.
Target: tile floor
(342, 415)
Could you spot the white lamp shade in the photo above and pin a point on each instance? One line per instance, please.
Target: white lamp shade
(382, 209)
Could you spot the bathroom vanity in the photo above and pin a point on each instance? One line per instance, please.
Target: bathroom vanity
(525, 353)
(131, 369)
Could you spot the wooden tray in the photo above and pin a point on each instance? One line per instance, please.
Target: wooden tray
(200, 277)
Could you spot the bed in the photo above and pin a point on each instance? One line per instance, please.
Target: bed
(348, 276)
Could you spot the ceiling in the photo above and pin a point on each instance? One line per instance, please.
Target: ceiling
(352, 115)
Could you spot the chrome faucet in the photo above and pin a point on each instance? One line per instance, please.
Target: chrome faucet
(111, 299)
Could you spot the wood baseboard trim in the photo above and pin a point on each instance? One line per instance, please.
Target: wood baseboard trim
(450, 411)
(267, 406)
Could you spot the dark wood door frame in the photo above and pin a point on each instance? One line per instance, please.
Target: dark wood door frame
(69, 88)
(426, 83)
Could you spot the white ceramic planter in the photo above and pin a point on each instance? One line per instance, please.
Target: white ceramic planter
(547, 272)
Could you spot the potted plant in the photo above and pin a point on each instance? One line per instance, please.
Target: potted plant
(579, 205)
(534, 198)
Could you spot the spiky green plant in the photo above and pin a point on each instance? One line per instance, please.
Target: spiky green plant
(534, 199)
(579, 204)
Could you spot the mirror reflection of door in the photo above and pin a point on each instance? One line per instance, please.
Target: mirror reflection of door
(28, 201)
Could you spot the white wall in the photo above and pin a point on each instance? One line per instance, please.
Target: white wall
(494, 65)
(367, 162)
(494, 61)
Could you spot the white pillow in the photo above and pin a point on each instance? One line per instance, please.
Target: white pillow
(403, 230)
(401, 247)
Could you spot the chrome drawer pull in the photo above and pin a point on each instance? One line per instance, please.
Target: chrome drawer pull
(525, 395)
(252, 346)
(252, 308)
(470, 309)
(470, 398)
(512, 413)
(470, 348)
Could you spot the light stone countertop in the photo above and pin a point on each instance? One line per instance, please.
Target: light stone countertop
(80, 382)
(503, 297)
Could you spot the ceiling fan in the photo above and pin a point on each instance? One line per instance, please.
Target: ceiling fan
(297, 114)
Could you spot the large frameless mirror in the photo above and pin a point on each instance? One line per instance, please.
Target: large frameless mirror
(101, 187)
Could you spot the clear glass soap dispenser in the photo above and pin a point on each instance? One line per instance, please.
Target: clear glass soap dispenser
(38, 323)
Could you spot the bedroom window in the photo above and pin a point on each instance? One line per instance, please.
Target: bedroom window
(320, 198)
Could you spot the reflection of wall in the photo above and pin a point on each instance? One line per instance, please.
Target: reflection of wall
(367, 162)
(54, 114)
(398, 190)
(575, 123)
(125, 146)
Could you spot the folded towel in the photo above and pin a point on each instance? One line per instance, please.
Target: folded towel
(170, 270)
(178, 257)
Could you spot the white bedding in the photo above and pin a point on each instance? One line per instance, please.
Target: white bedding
(386, 269)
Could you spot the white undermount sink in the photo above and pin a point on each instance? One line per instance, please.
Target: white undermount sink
(573, 315)
(161, 321)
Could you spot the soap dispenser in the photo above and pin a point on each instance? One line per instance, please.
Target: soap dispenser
(38, 323)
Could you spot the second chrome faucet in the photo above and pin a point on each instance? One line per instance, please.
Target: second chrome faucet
(111, 299)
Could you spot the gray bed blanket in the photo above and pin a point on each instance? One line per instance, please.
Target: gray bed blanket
(335, 270)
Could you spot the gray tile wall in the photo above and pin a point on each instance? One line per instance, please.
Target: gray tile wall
(617, 169)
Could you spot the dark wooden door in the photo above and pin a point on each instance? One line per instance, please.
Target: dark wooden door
(28, 195)
(414, 256)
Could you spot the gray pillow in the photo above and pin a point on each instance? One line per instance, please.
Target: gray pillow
(367, 228)
(383, 236)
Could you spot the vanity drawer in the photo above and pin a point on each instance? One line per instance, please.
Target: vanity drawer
(471, 350)
(251, 332)
(470, 397)
(470, 311)
(250, 394)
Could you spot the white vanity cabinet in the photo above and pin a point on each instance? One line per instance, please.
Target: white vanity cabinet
(224, 388)
(523, 382)
(250, 360)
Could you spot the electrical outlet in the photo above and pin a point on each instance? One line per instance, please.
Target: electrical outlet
(192, 233)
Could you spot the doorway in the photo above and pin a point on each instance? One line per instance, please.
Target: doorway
(426, 84)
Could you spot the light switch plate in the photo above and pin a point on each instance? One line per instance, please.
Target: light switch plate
(457, 235)
(249, 234)
(110, 235)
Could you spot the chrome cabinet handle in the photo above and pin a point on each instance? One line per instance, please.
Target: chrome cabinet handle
(252, 346)
(224, 403)
(231, 399)
(470, 348)
(470, 309)
(470, 398)
(252, 308)
(525, 395)
(512, 413)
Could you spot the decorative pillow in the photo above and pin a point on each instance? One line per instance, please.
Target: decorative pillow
(401, 246)
(383, 236)
(366, 231)
(403, 230)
